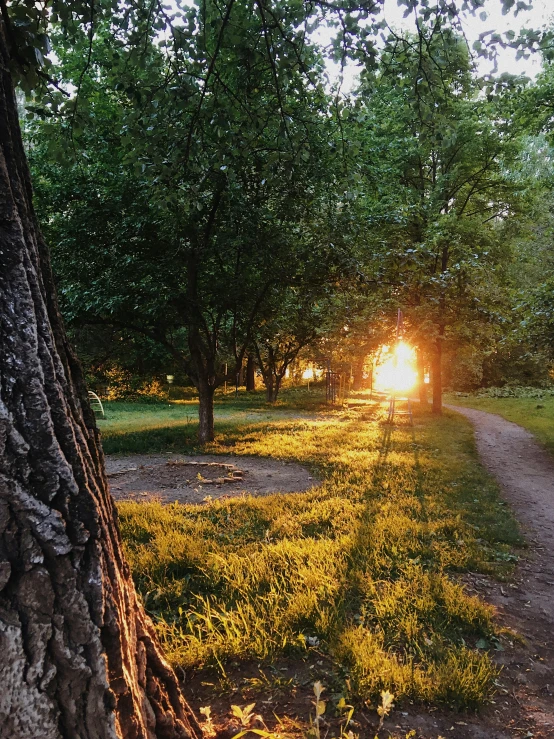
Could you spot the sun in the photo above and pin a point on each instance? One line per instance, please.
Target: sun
(397, 372)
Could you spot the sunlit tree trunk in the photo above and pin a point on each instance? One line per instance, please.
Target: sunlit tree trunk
(422, 387)
(79, 657)
(436, 373)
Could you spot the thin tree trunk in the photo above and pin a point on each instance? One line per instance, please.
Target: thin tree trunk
(437, 355)
(267, 371)
(269, 391)
(422, 387)
(250, 374)
(276, 388)
(79, 656)
(358, 374)
(206, 413)
(437, 374)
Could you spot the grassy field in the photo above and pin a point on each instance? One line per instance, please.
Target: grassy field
(362, 570)
(160, 427)
(533, 413)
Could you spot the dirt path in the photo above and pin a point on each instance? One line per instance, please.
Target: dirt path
(525, 472)
(199, 478)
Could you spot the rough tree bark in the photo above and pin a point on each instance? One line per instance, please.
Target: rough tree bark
(79, 656)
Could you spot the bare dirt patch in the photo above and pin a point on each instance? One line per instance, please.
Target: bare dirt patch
(197, 479)
(284, 697)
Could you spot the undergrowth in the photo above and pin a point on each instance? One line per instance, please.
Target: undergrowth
(361, 568)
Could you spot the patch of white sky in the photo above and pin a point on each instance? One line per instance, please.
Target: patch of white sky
(473, 26)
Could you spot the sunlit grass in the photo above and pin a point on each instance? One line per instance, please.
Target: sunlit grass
(363, 565)
(159, 427)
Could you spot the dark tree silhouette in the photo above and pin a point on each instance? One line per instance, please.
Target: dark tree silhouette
(79, 656)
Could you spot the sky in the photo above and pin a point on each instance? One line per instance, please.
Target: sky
(542, 13)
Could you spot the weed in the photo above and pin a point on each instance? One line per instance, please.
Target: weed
(268, 684)
(385, 708)
(208, 725)
(320, 706)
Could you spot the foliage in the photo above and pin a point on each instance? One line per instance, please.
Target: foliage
(212, 176)
(441, 155)
(290, 322)
(198, 201)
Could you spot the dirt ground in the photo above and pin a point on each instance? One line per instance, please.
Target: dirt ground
(525, 471)
(198, 479)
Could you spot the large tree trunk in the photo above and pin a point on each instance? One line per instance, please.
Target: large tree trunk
(79, 656)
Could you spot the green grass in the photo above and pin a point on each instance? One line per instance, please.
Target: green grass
(136, 427)
(366, 563)
(535, 414)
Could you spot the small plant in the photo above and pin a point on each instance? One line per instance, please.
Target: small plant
(320, 706)
(208, 725)
(269, 684)
(245, 715)
(385, 708)
(348, 712)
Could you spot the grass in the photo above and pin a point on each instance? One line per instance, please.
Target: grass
(160, 427)
(362, 569)
(536, 414)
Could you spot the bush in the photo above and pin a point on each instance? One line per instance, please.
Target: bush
(121, 384)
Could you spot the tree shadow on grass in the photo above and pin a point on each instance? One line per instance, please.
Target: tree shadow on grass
(401, 623)
(352, 561)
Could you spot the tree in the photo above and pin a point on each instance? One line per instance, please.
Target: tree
(79, 655)
(526, 353)
(292, 320)
(191, 197)
(440, 156)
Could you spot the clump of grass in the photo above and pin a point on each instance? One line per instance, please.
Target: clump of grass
(363, 566)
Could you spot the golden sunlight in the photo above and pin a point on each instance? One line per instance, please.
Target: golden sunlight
(396, 372)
